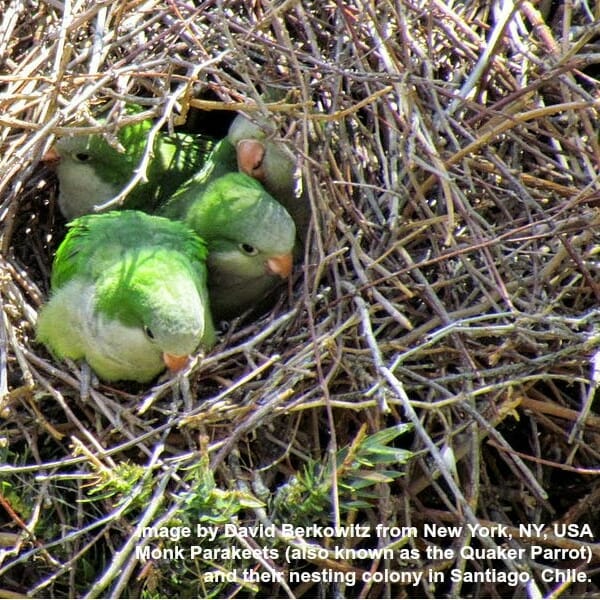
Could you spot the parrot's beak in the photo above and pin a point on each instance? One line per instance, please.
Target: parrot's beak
(175, 363)
(250, 157)
(280, 265)
(51, 157)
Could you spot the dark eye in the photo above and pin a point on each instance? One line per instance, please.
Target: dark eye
(82, 157)
(148, 332)
(248, 249)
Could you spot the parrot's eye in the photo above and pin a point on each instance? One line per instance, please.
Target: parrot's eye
(148, 332)
(82, 157)
(248, 249)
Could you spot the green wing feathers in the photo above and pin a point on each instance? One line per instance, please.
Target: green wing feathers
(94, 242)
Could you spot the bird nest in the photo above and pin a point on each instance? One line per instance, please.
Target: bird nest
(429, 373)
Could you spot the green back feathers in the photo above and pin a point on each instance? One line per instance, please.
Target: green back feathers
(94, 242)
(221, 160)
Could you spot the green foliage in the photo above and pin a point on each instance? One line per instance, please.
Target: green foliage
(202, 502)
(120, 482)
(207, 503)
(359, 468)
(13, 499)
(12, 494)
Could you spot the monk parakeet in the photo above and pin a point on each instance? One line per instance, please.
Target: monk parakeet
(128, 296)
(273, 164)
(250, 236)
(91, 171)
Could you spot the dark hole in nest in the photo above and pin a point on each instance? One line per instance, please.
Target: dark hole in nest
(38, 227)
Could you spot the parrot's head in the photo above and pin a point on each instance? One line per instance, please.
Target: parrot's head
(91, 171)
(248, 233)
(160, 300)
(267, 160)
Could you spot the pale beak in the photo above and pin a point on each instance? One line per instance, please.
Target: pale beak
(250, 157)
(51, 157)
(280, 265)
(175, 363)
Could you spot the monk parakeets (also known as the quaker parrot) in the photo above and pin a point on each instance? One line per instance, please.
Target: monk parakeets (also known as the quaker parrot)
(128, 295)
(250, 237)
(91, 171)
(272, 163)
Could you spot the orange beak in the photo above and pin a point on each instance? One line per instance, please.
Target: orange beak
(51, 157)
(280, 265)
(250, 156)
(175, 363)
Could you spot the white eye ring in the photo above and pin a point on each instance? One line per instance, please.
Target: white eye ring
(248, 249)
(148, 333)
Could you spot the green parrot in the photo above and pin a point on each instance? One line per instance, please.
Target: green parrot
(250, 236)
(273, 164)
(91, 171)
(128, 295)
